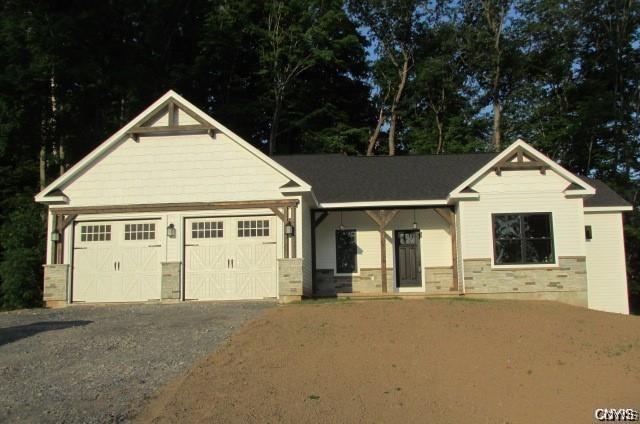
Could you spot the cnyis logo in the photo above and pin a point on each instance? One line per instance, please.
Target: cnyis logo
(622, 414)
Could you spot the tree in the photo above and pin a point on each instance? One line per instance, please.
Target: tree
(491, 56)
(439, 117)
(393, 27)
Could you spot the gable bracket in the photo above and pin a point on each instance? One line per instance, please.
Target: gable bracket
(520, 164)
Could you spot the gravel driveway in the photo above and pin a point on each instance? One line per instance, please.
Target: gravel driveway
(100, 363)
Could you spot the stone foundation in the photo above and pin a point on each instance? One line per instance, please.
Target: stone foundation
(170, 281)
(368, 281)
(290, 277)
(56, 283)
(439, 280)
(565, 283)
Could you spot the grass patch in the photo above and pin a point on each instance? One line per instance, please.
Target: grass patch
(320, 301)
(342, 300)
(619, 349)
(457, 298)
(314, 397)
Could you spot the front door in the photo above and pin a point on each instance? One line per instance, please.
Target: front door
(408, 258)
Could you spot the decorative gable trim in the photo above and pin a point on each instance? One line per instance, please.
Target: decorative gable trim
(520, 160)
(136, 127)
(518, 156)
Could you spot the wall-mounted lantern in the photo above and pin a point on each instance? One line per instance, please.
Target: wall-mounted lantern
(289, 228)
(55, 236)
(171, 231)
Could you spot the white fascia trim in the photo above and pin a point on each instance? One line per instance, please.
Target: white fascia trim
(295, 189)
(608, 209)
(117, 137)
(463, 196)
(576, 193)
(386, 203)
(54, 200)
(588, 190)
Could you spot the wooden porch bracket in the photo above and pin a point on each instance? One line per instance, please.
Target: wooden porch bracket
(383, 217)
(450, 218)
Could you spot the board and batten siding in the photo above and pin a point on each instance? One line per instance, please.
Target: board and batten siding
(520, 192)
(176, 169)
(435, 248)
(606, 269)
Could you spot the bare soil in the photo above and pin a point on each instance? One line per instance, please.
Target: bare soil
(437, 361)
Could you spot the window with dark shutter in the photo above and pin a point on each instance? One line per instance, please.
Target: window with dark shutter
(523, 239)
(346, 251)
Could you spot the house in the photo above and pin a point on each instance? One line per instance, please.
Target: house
(175, 206)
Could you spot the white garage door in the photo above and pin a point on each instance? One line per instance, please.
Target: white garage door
(116, 261)
(230, 258)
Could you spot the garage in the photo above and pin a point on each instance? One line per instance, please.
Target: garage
(230, 258)
(116, 261)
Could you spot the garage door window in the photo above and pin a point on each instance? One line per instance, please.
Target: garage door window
(207, 229)
(95, 233)
(253, 228)
(140, 231)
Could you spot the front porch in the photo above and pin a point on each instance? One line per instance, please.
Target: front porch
(384, 252)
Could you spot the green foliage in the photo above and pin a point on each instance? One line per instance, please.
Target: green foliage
(22, 234)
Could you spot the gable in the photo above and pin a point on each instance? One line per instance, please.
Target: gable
(171, 119)
(520, 161)
(175, 169)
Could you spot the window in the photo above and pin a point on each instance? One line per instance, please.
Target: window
(346, 251)
(207, 229)
(140, 231)
(523, 239)
(253, 228)
(95, 232)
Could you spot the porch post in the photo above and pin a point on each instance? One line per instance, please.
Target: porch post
(294, 236)
(450, 217)
(383, 218)
(314, 224)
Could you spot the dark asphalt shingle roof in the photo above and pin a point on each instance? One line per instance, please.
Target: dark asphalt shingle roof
(342, 178)
(337, 178)
(605, 196)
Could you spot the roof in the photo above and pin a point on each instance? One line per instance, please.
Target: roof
(605, 196)
(337, 178)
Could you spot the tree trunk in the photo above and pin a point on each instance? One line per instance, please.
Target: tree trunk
(394, 107)
(376, 132)
(440, 147)
(275, 120)
(43, 162)
(497, 123)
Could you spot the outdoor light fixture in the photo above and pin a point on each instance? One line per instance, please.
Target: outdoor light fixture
(55, 236)
(415, 223)
(341, 226)
(288, 228)
(171, 231)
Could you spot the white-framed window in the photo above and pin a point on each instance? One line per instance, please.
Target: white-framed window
(523, 238)
(207, 229)
(253, 228)
(142, 231)
(99, 232)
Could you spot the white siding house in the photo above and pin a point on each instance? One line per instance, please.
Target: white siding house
(176, 207)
